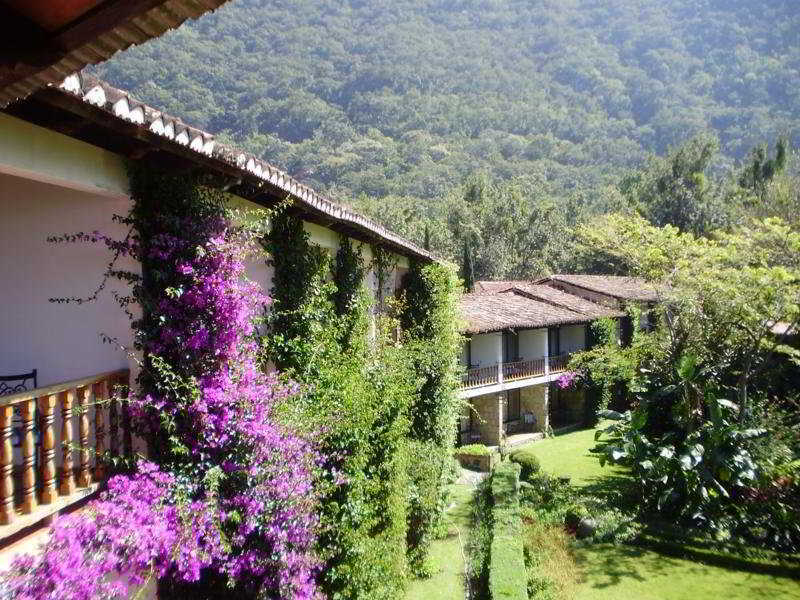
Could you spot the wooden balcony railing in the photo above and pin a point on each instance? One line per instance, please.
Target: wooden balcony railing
(44, 476)
(523, 369)
(480, 376)
(558, 364)
(514, 371)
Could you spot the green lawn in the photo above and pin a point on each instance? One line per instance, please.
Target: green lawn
(652, 571)
(568, 456)
(447, 582)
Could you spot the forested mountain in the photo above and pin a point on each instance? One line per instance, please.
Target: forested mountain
(408, 98)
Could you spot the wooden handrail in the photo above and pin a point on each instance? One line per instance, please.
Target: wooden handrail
(57, 388)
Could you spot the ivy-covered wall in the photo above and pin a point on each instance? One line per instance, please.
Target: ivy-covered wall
(367, 387)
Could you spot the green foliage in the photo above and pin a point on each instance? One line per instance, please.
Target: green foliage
(301, 297)
(474, 450)
(385, 492)
(427, 473)
(430, 320)
(675, 190)
(348, 281)
(692, 439)
(357, 393)
(468, 268)
(507, 574)
(429, 316)
(528, 462)
(359, 97)
(480, 541)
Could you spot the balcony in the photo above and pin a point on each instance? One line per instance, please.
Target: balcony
(514, 371)
(53, 441)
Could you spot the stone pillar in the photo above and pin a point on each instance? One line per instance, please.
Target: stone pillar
(490, 409)
(534, 400)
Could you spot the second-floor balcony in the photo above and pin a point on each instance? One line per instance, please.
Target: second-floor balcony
(514, 371)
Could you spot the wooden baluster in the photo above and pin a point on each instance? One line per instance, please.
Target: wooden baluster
(127, 437)
(28, 449)
(6, 466)
(100, 395)
(113, 419)
(47, 405)
(125, 417)
(84, 478)
(67, 485)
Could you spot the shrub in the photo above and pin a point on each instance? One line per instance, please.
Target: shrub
(452, 470)
(425, 501)
(574, 514)
(359, 394)
(528, 461)
(507, 575)
(474, 450)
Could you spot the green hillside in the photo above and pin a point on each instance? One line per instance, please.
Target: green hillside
(409, 97)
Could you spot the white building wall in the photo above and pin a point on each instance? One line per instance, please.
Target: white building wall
(37, 153)
(573, 338)
(532, 343)
(486, 348)
(51, 184)
(61, 341)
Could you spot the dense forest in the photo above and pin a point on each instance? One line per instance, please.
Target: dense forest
(406, 109)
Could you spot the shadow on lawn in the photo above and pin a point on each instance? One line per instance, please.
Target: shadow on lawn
(620, 562)
(616, 491)
(661, 545)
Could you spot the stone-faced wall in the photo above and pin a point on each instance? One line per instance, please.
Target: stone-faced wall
(533, 399)
(490, 410)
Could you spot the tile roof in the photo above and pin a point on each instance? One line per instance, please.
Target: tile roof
(493, 287)
(623, 288)
(154, 126)
(574, 303)
(148, 22)
(486, 312)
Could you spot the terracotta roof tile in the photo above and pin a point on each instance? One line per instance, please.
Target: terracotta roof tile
(574, 303)
(150, 24)
(486, 312)
(623, 288)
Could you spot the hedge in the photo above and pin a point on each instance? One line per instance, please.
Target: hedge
(507, 573)
(528, 461)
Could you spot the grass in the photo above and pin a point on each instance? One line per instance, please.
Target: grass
(447, 581)
(623, 571)
(655, 568)
(568, 455)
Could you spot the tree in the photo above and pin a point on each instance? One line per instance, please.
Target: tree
(675, 190)
(692, 436)
(467, 268)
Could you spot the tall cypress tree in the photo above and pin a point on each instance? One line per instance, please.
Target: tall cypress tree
(467, 268)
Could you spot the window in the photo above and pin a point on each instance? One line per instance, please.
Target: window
(512, 406)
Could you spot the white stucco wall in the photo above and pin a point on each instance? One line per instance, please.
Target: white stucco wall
(573, 338)
(61, 341)
(486, 348)
(37, 153)
(52, 184)
(532, 343)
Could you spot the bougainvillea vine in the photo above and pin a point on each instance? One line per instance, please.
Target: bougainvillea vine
(231, 494)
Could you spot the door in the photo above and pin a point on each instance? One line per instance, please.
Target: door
(510, 347)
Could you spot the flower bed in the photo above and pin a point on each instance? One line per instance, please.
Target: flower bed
(477, 456)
